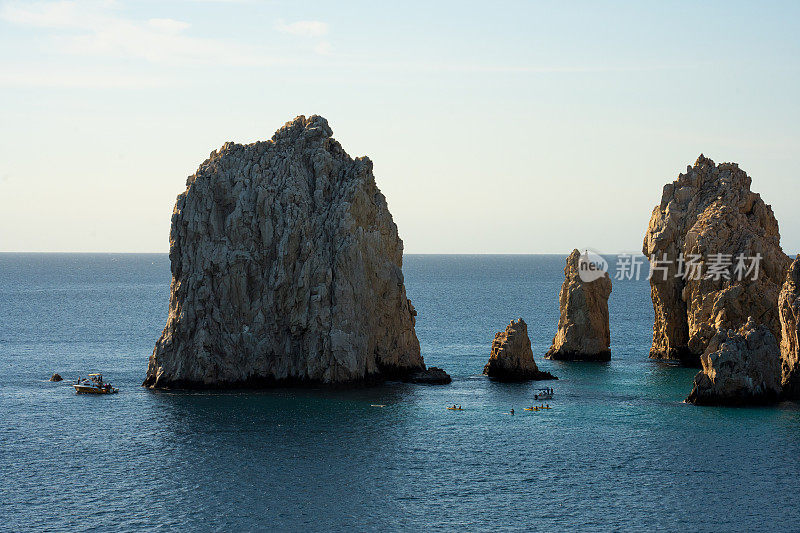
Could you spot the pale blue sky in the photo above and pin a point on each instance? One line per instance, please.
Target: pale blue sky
(519, 127)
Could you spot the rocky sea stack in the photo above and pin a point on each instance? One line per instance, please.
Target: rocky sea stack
(286, 269)
(789, 309)
(709, 214)
(511, 358)
(740, 367)
(583, 330)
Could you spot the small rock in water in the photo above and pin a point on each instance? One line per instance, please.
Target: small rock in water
(56, 377)
(511, 358)
(432, 376)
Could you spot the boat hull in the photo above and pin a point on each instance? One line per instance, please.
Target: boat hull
(84, 389)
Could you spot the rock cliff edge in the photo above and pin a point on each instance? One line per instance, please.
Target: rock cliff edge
(789, 310)
(740, 367)
(719, 260)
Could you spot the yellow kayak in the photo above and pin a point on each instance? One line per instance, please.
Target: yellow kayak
(454, 409)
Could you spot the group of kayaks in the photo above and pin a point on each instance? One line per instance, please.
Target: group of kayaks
(542, 407)
(541, 394)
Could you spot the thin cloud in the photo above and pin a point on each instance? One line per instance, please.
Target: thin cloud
(324, 48)
(87, 29)
(168, 25)
(47, 15)
(91, 29)
(26, 77)
(586, 69)
(303, 28)
(355, 62)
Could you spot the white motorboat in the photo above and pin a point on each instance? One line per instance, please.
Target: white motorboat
(543, 394)
(94, 385)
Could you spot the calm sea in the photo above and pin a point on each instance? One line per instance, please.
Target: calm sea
(618, 451)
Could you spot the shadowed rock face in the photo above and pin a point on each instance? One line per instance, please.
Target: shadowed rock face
(583, 330)
(711, 210)
(511, 358)
(740, 367)
(286, 268)
(789, 309)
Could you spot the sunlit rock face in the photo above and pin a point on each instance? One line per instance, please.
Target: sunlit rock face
(711, 210)
(511, 357)
(789, 309)
(286, 269)
(583, 330)
(740, 367)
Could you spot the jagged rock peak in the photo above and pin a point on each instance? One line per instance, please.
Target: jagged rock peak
(314, 125)
(286, 269)
(789, 309)
(583, 329)
(707, 211)
(511, 356)
(740, 367)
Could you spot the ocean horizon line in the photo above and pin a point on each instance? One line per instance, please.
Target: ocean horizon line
(404, 254)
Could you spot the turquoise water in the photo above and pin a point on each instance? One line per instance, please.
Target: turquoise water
(618, 451)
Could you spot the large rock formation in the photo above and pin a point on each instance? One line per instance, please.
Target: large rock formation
(286, 268)
(740, 367)
(711, 210)
(789, 310)
(583, 330)
(511, 358)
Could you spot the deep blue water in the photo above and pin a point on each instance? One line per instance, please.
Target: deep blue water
(618, 451)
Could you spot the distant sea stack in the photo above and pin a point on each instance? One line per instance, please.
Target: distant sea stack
(789, 309)
(740, 367)
(511, 357)
(707, 211)
(286, 269)
(583, 330)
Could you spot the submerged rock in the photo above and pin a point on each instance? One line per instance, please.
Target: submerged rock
(710, 216)
(789, 310)
(583, 330)
(56, 378)
(511, 358)
(286, 269)
(740, 367)
(432, 376)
